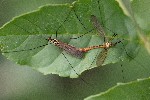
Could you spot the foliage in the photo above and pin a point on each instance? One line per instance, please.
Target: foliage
(31, 30)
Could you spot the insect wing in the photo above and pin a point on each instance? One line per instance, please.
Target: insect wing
(101, 57)
(98, 26)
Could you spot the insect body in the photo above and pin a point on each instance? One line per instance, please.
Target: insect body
(72, 50)
(77, 52)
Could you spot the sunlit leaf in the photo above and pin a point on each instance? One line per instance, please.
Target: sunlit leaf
(31, 30)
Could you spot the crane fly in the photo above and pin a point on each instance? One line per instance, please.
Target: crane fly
(79, 52)
(72, 50)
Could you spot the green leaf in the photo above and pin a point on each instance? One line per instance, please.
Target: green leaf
(142, 17)
(139, 12)
(32, 29)
(137, 90)
(9, 8)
